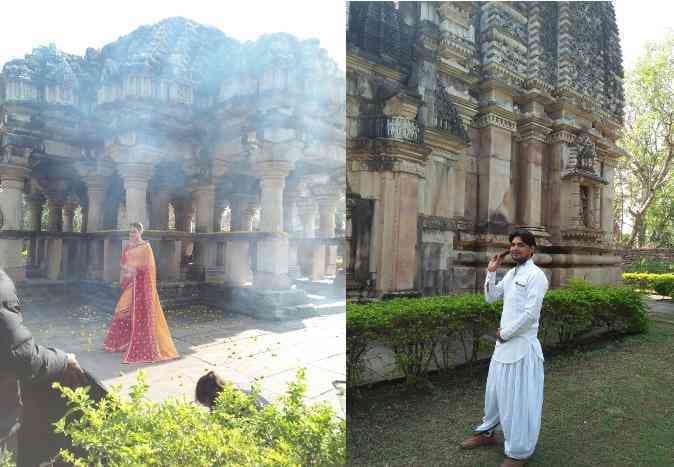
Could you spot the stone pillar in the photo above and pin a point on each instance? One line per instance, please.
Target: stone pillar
(395, 231)
(136, 177)
(607, 196)
(11, 201)
(94, 175)
(272, 183)
(112, 250)
(312, 261)
(243, 208)
(394, 187)
(182, 209)
(247, 215)
(290, 198)
(326, 209)
(237, 252)
(272, 253)
(85, 218)
(36, 252)
(496, 209)
(55, 201)
(12, 176)
(55, 206)
(95, 201)
(35, 204)
(169, 259)
(220, 207)
(69, 208)
(532, 144)
(159, 208)
(204, 198)
(459, 183)
(553, 197)
(237, 262)
(307, 211)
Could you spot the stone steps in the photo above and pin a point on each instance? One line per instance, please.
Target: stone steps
(325, 288)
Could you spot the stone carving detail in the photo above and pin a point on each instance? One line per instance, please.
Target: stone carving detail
(585, 212)
(548, 31)
(458, 33)
(585, 152)
(398, 128)
(176, 61)
(596, 68)
(584, 235)
(491, 119)
(437, 223)
(376, 27)
(380, 164)
(613, 74)
(504, 39)
(541, 81)
(586, 29)
(582, 160)
(446, 115)
(506, 22)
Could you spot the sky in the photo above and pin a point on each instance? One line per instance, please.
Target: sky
(641, 21)
(74, 25)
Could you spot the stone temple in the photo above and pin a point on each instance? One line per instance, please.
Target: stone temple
(231, 154)
(466, 119)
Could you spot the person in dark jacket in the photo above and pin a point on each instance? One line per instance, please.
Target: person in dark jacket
(22, 361)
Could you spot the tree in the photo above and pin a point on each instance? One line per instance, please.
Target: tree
(648, 136)
(659, 219)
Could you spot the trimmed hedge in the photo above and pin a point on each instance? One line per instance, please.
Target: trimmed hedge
(420, 330)
(662, 284)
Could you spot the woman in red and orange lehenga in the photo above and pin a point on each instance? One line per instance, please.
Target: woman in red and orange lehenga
(138, 326)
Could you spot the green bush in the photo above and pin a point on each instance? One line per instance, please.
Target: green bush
(413, 327)
(420, 330)
(131, 432)
(6, 458)
(662, 284)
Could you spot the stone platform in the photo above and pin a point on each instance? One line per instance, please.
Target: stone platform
(241, 348)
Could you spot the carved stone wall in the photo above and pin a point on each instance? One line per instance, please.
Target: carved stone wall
(178, 114)
(517, 106)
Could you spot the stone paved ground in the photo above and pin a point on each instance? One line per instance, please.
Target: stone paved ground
(242, 349)
(661, 307)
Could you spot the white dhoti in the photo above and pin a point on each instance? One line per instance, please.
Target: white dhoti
(514, 399)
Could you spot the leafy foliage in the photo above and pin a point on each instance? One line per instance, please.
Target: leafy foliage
(421, 330)
(6, 458)
(648, 138)
(662, 284)
(135, 431)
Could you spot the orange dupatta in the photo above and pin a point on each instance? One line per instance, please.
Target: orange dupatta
(138, 326)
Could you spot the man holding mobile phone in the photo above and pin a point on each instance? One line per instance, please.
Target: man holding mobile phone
(514, 392)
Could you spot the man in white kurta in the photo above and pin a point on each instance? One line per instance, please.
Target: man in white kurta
(514, 392)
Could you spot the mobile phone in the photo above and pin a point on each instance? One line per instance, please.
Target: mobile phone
(503, 254)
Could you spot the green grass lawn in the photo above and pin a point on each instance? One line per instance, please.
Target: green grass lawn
(610, 405)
